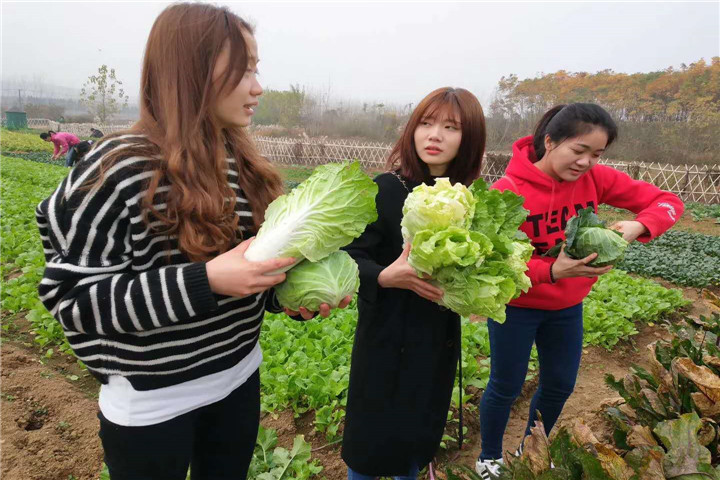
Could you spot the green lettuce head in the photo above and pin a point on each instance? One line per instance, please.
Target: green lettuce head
(327, 281)
(478, 291)
(452, 246)
(437, 207)
(521, 251)
(586, 234)
(495, 211)
(322, 214)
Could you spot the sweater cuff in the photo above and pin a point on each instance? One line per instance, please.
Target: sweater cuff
(272, 304)
(650, 224)
(198, 288)
(369, 281)
(542, 273)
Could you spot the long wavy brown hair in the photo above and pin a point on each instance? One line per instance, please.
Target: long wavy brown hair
(465, 168)
(177, 96)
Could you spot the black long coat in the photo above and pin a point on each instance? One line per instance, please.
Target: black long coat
(404, 356)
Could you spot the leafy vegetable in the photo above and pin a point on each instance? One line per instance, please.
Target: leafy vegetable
(684, 258)
(618, 300)
(310, 284)
(436, 208)
(500, 212)
(468, 241)
(24, 185)
(586, 234)
(319, 216)
(471, 291)
(453, 246)
(271, 462)
(11, 141)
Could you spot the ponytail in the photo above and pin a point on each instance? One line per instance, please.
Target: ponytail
(568, 121)
(541, 128)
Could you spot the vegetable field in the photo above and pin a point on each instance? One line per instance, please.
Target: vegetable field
(49, 423)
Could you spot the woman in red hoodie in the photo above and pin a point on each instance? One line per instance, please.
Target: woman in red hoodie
(556, 171)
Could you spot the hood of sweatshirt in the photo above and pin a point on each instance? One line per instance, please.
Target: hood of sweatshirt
(551, 202)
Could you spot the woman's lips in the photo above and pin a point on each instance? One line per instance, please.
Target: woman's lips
(433, 150)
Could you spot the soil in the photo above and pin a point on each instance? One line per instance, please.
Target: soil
(49, 409)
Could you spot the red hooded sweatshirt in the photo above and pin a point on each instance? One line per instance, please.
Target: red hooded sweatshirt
(552, 203)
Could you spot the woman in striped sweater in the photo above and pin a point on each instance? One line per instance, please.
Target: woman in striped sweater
(144, 257)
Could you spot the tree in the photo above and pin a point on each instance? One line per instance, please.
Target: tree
(281, 107)
(103, 94)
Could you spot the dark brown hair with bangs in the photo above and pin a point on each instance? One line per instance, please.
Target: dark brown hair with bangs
(177, 96)
(465, 168)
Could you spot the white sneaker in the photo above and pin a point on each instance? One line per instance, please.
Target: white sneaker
(488, 469)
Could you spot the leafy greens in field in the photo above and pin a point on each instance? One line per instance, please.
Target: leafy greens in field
(319, 216)
(468, 241)
(310, 284)
(684, 258)
(586, 234)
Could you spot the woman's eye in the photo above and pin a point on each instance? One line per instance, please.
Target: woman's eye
(577, 153)
(451, 127)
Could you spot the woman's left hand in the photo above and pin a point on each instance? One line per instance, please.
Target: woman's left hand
(324, 309)
(630, 229)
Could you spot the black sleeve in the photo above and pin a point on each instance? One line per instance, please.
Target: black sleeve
(365, 250)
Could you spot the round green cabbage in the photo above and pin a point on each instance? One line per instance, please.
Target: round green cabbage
(310, 284)
(586, 234)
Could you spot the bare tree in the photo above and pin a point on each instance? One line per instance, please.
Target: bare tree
(103, 94)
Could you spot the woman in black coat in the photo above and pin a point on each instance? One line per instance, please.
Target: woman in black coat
(407, 346)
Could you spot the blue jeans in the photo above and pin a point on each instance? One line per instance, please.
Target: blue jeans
(558, 335)
(70, 157)
(353, 475)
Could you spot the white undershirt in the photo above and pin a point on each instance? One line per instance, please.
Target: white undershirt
(121, 404)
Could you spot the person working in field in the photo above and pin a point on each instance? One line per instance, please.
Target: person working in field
(63, 143)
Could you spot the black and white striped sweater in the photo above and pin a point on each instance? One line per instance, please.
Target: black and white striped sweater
(129, 302)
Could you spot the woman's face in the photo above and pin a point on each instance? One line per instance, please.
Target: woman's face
(437, 140)
(573, 157)
(236, 108)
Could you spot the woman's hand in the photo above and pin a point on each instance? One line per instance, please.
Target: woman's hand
(324, 309)
(566, 267)
(230, 274)
(630, 229)
(400, 274)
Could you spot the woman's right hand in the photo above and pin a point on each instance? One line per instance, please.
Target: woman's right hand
(400, 274)
(566, 267)
(231, 274)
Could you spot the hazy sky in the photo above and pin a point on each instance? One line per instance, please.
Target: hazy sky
(385, 52)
